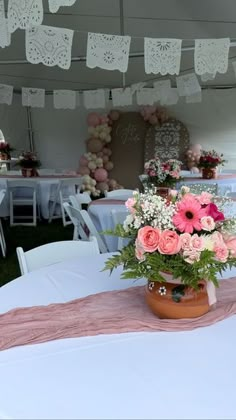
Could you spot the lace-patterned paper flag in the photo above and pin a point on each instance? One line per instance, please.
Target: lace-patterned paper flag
(50, 46)
(109, 52)
(6, 94)
(162, 55)
(64, 99)
(162, 90)
(94, 99)
(207, 76)
(122, 97)
(24, 13)
(145, 96)
(188, 84)
(194, 99)
(54, 5)
(5, 36)
(33, 97)
(211, 55)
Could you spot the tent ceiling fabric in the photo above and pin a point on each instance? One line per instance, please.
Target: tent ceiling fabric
(185, 19)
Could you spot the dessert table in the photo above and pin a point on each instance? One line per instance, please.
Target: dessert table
(187, 375)
(46, 187)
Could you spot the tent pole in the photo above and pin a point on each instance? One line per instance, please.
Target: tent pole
(122, 32)
(30, 128)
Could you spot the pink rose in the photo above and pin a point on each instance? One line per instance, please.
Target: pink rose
(191, 256)
(130, 205)
(169, 243)
(217, 239)
(230, 243)
(185, 240)
(221, 252)
(212, 210)
(148, 238)
(208, 223)
(204, 198)
(139, 251)
(197, 242)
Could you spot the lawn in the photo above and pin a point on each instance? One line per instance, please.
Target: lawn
(28, 237)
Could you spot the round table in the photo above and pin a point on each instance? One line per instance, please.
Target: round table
(166, 375)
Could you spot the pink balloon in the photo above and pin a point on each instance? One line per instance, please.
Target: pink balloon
(83, 161)
(84, 170)
(93, 119)
(100, 174)
(102, 186)
(94, 145)
(153, 120)
(109, 166)
(104, 119)
(114, 115)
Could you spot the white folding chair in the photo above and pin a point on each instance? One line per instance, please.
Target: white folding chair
(84, 226)
(22, 193)
(65, 188)
(79, 199)
(118, 217)
(119, 193)
(54, 253)
(2, 237)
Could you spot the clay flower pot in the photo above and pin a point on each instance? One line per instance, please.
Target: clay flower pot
(176, 301)
(29, 172)
(209, 173)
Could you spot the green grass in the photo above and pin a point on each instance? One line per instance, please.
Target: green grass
(28, 237)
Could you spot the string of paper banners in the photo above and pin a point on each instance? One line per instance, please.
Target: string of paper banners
(52, 46)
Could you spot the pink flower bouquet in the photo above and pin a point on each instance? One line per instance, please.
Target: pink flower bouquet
(162, 173)
(187, 236)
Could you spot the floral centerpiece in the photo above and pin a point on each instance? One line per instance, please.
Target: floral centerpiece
(180, 245)
(5, 150)
(162, 174)
(208, 163)
(29, 163)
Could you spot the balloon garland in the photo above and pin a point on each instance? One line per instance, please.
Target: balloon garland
(96, 164)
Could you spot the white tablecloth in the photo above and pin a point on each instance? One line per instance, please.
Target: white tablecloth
(224, 185)
(102, 218)
(186, 375)
(46, 188)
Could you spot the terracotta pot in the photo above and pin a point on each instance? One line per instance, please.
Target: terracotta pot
(29, 172)
(209, 173)
(175, 301)
(5, 156)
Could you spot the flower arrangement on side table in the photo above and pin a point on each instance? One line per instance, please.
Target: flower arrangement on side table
(29, 163)
(5, 150)
(208, 163)
(180, 245)
(162, 174)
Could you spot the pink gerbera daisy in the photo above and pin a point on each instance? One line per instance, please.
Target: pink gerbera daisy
(189, 214)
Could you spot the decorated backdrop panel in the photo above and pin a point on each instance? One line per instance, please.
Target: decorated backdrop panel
(128, 142)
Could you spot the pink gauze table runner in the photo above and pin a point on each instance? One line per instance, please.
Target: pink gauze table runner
(106, 202)
(112, 312)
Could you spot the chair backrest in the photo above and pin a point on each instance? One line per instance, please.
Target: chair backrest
(54, 252)
(119, 193)
(69, 186)
(78, 199)
(15, 187)
(84, 224)
(201, 187)
(2, 196)
(118, 217)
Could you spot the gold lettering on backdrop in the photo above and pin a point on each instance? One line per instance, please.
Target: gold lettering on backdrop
(128, 134)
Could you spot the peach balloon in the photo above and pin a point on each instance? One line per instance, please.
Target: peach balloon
(105, 159)
(94, 145)
(84, 170)
(100, 175)
(83, 161)
(153, 120)
(109, 166)
(114, 115)
(93, 119)
(102, 186)
(100, 154)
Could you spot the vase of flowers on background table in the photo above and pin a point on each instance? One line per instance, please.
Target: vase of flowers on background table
(29, 163)
(179, 245)
(5, 150)
(162, 176)
(209, 162)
